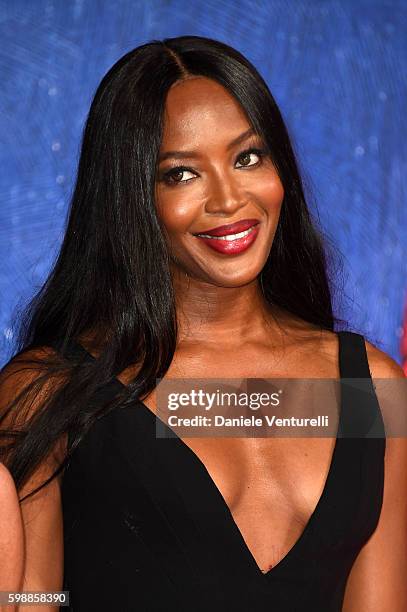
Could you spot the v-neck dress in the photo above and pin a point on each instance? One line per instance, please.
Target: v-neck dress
(147, 530)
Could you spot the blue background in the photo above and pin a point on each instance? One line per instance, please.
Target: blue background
(336, 69)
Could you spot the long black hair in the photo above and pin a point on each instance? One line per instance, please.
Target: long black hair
(112, 278)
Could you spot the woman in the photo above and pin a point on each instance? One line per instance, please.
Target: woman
(184, 137)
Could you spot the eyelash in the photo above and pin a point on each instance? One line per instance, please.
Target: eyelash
(176, 170)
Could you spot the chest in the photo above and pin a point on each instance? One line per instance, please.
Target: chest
(270, 485)
(274, 475)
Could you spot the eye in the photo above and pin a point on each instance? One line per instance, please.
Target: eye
(180, 170)
(246, 155)
(175, 173)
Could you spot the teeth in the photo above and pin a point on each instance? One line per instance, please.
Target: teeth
(229, 237)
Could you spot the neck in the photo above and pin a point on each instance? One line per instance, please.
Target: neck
(227, 316)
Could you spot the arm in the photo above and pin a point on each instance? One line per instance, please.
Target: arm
(378, 579)
(11, 537)
(40, 514)
(43, 532)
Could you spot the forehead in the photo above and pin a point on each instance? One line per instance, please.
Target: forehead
(198, 108)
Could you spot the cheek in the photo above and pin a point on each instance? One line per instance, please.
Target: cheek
(176, 211)
(271, 194)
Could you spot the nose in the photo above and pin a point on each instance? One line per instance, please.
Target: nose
(225, 196)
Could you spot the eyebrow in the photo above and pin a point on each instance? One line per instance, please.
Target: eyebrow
(194, 154)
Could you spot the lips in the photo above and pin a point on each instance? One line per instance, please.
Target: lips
(231, 244)
(232, 228)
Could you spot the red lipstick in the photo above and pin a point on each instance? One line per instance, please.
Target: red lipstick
(233, 238)
(232, 228)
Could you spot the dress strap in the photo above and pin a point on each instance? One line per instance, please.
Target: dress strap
(74, 350)
(353, 362)
(361, 415)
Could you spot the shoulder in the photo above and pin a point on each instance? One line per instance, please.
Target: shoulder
(28, 370)
(26, 382)
(20, 371)
(26, 363)
(325, 343)
(381, 364)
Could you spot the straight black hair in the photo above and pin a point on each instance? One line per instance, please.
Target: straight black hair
(111, 280)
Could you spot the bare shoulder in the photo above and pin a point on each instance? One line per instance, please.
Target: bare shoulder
(321, 346)
(381, 364)
(24, 385)
(24, 369)
(25, 366)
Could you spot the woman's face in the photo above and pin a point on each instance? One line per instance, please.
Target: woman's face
(212, 173)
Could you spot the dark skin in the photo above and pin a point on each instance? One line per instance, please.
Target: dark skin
(217, 295)
(226, 330)
(279, 481)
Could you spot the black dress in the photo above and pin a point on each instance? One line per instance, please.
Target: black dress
(147, 530)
